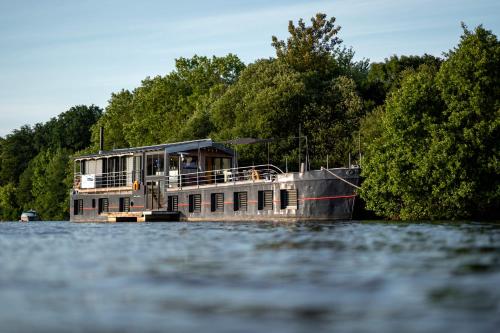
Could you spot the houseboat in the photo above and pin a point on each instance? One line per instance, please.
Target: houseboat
(200, 180)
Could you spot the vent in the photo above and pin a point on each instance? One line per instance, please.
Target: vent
(288, 199)
(173, 203)
(195, 203)
(265, 200)
(217, 202)
(240, 201)
(125, 204)
(103, 205)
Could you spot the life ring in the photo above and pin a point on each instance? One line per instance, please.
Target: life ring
(136, 186)
(255, 175)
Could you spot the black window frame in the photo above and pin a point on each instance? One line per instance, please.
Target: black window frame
(263, 200)
(78, 207)
(217, 202)
(103, 205)
(288, 199)
(194, 203)
(172, 203)
(124, 205)
(240, 201)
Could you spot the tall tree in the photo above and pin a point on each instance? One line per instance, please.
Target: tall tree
(50, 188)
(329, 108)
(118, 114)
(438, 155)
(17, 151)
(262, 104)
(174, 107)
(384, 77)
(309, 47)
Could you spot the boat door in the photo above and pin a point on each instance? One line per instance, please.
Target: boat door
(154, 194)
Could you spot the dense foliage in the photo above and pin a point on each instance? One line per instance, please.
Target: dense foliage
(34, 163)
(436, 155)
(427, 127)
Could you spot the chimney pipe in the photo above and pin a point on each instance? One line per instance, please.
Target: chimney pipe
(101, 140)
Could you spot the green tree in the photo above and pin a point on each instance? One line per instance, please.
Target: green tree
(174, 107)
(261, 104)
(24, 197)
(331, 125)
(329, 108)
(9, 209)
(384, 77)
(437, 156)
(309, 47)
(17, 151)
(50, 188)
(117, 115)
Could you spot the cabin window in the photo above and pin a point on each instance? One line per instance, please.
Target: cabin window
(155, 164)
(240, 201)
(103, 205)
(288, 199)
(78, 207)
(93, 203)
(265, 200)
(189, 164)
(195, 203)
(124, 205)
(81, 167)
(217, 202)
(137, 168)
(217, 163)
(173, 203)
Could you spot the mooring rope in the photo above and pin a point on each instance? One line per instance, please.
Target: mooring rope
(342, 179)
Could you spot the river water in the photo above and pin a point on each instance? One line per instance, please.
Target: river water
(249, 277)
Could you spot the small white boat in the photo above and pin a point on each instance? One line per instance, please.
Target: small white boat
(29, 215)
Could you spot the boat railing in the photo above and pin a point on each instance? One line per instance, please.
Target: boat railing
(105, 180)
(123, 179)
(264, 172)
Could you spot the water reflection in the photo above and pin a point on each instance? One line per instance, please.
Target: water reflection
(249, 277)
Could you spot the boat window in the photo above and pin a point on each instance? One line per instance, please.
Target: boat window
(78, 207)
(288, 199)
(173, 203)
(195, 203)
(173, 162)
(217, 202)
(240, 201)
(124, 205)
(137, 168)
(123, 163)
(265, 200)
(103, 205)
(155, 164)
(217, 163)
(80, 167)
(190, 163)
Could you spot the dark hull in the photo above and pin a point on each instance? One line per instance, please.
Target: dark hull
(318, 196)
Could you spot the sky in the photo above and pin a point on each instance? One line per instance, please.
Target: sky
(55, 54)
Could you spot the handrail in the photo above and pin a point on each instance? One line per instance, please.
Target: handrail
(253, 173)
(119, 179)
(107, 180)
